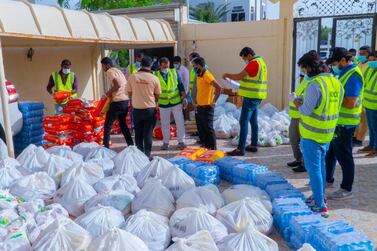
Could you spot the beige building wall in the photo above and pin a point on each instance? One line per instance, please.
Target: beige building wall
(31, 77)
(221, 43)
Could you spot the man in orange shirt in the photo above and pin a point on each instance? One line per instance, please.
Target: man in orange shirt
(119, 102)
(207, 93)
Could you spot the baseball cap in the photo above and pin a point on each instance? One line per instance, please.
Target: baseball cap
(336, 54)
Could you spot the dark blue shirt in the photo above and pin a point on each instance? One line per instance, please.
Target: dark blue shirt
(181, 87)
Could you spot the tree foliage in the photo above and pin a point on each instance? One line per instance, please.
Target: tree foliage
(208, 12)
(92, 5)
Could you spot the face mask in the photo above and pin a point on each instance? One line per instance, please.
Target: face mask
(363, 59)
(372, 64)
(66, 71)
(246, 62)
(307, 78)
(336, 70)
(176, 66)
(137, 64)
(164, 70)
(196, 70)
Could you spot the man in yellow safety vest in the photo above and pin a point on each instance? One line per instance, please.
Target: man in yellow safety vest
(133, 68)
(340, 148)
(63, 80)
(172, 101)
(253, 88)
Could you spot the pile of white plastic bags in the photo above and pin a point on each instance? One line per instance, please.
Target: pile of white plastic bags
(64, 199)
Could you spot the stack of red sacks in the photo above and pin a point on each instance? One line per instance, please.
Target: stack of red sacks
(77, 124)
(157, 133)
(57, 130)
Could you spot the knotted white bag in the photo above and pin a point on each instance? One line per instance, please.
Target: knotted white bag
(56, 166)
(73, 195)
(239, 192)
(31, 207)
(84, 148)
(103, 157)
(239, 215)
(16, 241)
(117, 182)
(32, 159)
(35, 186)
(248, 240)
(154, 197)
(200, 241)
(98, 220)
(8, 172)
(62, 234)
(130, 161)
(187, 221)
(7, 200)
(3, 150)
(118, 199)
(117, 239)
(26, 223)
(90, 172)
(152, 228)
(172, 177)
(65, 152)
(49, 214)
(206, 197)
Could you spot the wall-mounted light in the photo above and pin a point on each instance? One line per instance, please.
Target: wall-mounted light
(30, 54)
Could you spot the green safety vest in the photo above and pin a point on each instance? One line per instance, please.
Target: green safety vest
(366, 70)
(67, 86)
(255, 87)
(169, 91)
(370, 89)
(351, 116)
(293, 111)
(192, 79)
(320, 125)
(132, 69)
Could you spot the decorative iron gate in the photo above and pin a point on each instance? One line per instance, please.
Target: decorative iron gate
(353, 24)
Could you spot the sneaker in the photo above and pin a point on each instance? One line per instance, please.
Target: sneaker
(252, 149)
(294, 163)
(236, 152)
(356, 142)
(309, 200)
(372, 154)
(299, 169)
(324, 212)
(341, 194)
(181, 146)
(366, 149)
(165, 147)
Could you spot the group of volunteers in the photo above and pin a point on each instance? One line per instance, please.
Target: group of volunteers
(326, 109)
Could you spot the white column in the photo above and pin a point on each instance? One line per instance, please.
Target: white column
(5, 106)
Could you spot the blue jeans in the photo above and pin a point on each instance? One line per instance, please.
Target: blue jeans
(372, 125)
(314, 158)
(249, 114)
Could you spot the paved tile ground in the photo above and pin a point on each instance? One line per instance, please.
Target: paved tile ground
(360, 211)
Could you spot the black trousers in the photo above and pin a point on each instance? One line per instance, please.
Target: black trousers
(341, 150)
(204, 122)
(2, 134)
(117, 110)
(144, 122)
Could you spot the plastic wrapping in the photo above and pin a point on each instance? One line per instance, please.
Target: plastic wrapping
(8, 172)
(117, 182)
(200, 241)
(90, 172)
(130, 161)
(56, 166)
(118, 199)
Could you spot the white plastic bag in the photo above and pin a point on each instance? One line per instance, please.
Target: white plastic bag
(90, 172)
(239, 215)
(200, 241)
(3, 150)
(16, 241)
(100, 153)
(31, 207)
(223, 126)
(230, 107)
(205, 197)
(221, 100)
(250, 240)
(56, 166)
(49, 214)
(65, 152)
(117, 182)
(117, 240)
(8, 216)
(219, 110)
(187, 221)
(8, 172)
(98, 220)
(130, 161)
(307, 247)
(269, 109)
(107, 165)
(154, 197)
(35, 186)
(152, 228)
(73, 195)
(62, 234)
(7, 200)
(26, 223)
(84, 148)
(172, 177)
(118, 199)
(32, 159)
(239, 192)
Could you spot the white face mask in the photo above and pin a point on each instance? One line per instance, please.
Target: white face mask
(165, 70)
(66, 71)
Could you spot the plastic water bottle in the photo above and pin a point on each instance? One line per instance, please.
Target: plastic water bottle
(225, 167)
(265, 179)
(26, 106)
(246, 173)
(285, 190)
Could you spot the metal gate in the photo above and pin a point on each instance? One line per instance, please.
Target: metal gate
(322, 24)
